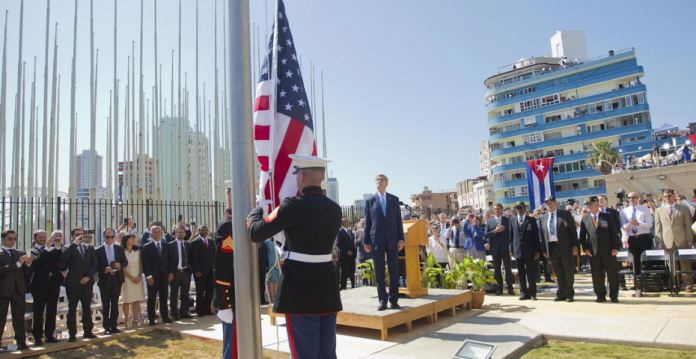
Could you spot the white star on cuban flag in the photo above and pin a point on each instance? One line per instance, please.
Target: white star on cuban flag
(539, 181)
(282, 119)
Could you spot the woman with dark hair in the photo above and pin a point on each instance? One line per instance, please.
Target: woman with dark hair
(133, 289)
(476, 240)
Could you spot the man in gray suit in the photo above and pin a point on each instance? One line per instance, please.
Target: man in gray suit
(561, 242)
(497, 235)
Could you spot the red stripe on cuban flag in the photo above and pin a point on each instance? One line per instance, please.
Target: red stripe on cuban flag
(539, 181)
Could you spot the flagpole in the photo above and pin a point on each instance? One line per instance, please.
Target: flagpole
(115, 116)
(3, 106)
(44, 157)
(241, 163)
(52, 136)
(72, 193)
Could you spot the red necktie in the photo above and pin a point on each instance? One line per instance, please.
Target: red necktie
(206, 243)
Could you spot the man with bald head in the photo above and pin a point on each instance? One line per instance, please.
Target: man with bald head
(637, 221)
(44, 284)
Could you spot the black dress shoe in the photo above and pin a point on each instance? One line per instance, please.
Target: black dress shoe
(534, 298)
(558, 299)
(623, 287)
(186, 316)
(167, 320)
(38, 342)
(89, 335)
(570, 300)
(524, 297)
(152, 324)
(115, 331)
(173, 318)
(209, 313)
(52, 340)
(107, 332)
(382, 307)
(201, 315)
(549, 281)
(72, 339)
(395, 306)
(22, 346)
(511, 291)
(615, 300)
(600, 300)
(499, 293)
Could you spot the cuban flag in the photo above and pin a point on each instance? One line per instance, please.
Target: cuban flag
(540, 181)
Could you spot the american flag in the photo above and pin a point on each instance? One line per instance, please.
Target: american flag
(282, 119)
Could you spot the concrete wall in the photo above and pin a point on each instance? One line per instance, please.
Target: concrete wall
(681, 178)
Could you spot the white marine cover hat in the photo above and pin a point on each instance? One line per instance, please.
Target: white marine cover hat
(306, 161)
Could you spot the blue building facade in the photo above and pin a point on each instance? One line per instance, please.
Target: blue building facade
(558, 106)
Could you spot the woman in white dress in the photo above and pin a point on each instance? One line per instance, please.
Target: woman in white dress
(133, 289)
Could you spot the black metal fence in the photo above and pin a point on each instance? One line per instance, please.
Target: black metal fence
(26, 215)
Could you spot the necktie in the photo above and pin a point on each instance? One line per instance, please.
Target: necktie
(594, 220)
(383, 201)
(456, 237)
(671, 211)
(206, 243)
(552, 230)
(82, 251)
(159, 249)
(12, 253)
(634, 229)
(183, 254)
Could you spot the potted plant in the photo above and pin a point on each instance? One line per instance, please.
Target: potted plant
(479, 276)
(367, 270)
(431, 272)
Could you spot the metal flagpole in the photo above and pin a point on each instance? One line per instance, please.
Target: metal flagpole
(141, 119)
(217, 176)
(93, 120)
(52, 134)
(180, 144)
(57, 148)
(15, 181)
(196, 163)
(323, 124)
(44, 157)
(22, 137)
(131, 107)
(156, 115)
(115, 117)
(224, 91)
(72, 193)
(173, 177)
(32, 132)
(245, 259)
(109, 170)
(3, 106)
(93, 150)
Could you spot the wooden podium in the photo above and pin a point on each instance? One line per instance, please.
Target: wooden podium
(415, 234)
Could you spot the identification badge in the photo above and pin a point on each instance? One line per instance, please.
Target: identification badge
(605, 224)
(529, 226)
(565, 224)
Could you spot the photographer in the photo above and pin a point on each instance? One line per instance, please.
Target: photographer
(637, 220)
(81, 262)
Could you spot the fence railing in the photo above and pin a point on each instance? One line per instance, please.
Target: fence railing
(26, 215)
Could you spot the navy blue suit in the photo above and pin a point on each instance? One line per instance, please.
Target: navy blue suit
(383, 233)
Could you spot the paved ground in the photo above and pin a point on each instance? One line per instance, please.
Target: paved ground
(514, 326)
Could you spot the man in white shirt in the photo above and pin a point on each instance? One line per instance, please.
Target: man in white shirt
(443, 223)
(636, 221)
(437, 245)
(455, 241)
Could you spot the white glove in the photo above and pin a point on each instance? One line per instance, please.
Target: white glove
(226, 315)
(264, 204)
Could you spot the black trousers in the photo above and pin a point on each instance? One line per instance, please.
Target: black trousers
(110, 290)
(526, 271)
(205, 285)
(16, 302)
(45, 297)
(502, 258)
(347, 271)
(601, 264)
(547, 267)
(564, 266)
(81, 293)
(637, 245)
(161, 288)
(179, 287)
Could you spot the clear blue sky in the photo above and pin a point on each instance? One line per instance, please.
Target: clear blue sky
(403, 80)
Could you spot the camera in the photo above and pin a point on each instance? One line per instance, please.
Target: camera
(620, 194)
(571, 201)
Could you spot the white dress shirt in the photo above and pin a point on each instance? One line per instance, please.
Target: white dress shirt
(644, 217)
(180, 244)
(552, 237)
(17, 262)
(453, 231)
(439, 252)
(110, 255)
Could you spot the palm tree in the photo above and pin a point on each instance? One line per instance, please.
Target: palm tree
(603, 156)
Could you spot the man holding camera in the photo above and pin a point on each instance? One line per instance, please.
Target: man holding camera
(14, 264)
(111, 261)
(81, 261)
(45, 283)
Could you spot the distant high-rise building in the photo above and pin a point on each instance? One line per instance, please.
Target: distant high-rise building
(485, 158)
(129, 178)
(332, 189)
(361, 202)
(83, 164)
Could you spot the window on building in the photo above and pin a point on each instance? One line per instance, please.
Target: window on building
(569, 167)
(523, 191)
(516, 159)
(570, 185)
(599, 183)
(533, 137)
(553, 118)
(527, 90)
(595, 128)
(552, 136)
(499, 177)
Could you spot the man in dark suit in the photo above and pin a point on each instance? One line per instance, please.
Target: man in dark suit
(14, 264)
(111, 262)
(346, 245)
(179, 254)
(497, 233)
(525, 246)
(81, 261)
(202, 259)
(46, 278)
(561, 244)
(155, 258)
(384, 233)
(599, 236)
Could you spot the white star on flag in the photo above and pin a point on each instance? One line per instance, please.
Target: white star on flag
(288, 74)
(288, 107)
(289, 42)
(284, 61)
(282, 93)
(301, 102)
(540, 167)
(295, 88)
(306, 117)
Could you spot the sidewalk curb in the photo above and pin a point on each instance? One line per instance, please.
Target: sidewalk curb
(653, 344)
(535, 342)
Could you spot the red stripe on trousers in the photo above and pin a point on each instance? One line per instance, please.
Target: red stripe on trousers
(282, 164)
(261, 103)
(290, 337)
(234, 342)
(262, 133)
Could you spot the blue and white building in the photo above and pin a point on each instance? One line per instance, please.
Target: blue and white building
(559, 105)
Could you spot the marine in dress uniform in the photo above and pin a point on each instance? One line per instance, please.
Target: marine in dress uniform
(599, 236)
(223, 272)
(308, 292)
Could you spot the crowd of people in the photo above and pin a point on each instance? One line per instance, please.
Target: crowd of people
(654, 159)
(126, 270)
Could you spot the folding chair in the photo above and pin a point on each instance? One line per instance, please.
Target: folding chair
(625, 256)
(682, 254)
(656, 255)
